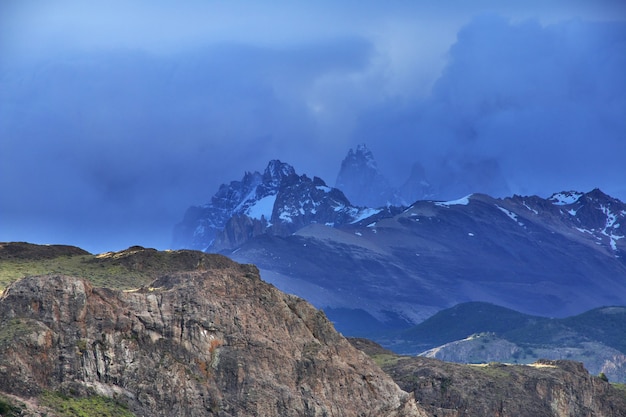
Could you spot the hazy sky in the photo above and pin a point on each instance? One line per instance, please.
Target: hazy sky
(116, 116)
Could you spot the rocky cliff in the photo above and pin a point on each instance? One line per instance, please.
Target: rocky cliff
(544, 389)
(212, 342)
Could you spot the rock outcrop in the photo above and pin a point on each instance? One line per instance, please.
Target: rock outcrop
(217, 342)
(544, 389)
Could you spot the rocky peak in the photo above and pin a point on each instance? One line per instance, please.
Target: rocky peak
(362, 182)
(594, 216)
(278, 202)
(276, 172)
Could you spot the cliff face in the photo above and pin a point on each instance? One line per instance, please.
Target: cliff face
(216, 342)
(544, 389)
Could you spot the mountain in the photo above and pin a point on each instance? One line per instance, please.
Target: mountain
(553, 257)
(361, 181)
(377, 269)
(364, 184)
(209, 339)
(205, 336)
(277, 202)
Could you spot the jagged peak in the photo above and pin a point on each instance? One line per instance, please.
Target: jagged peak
(571, 197)
(276, 171)
(361, 157)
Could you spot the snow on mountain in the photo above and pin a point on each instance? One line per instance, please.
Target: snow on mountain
(279, 202)
(565, 198)
(389, 266)
(461, 201)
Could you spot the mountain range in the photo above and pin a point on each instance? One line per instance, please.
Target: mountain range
(375, 269)
(146, 333)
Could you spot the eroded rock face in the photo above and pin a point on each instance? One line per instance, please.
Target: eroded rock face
(547, 388)
(218, 342)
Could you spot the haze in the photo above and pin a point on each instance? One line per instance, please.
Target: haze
(116, 116)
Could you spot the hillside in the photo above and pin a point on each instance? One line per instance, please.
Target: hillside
(212, 341)
(481, 332)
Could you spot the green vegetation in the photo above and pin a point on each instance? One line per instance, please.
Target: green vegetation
(94, 405)
(606, 325)
(8, 408)
(621, 388)
(14, 329)
(386, 359)
(127, 269)
(466, 319)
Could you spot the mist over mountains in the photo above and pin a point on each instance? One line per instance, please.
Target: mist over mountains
(132, 131)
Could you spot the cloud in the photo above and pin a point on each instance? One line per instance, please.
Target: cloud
(115, 117)
(125, 136)
(544, 102)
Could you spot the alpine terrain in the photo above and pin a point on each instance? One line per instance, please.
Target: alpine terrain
(381, 268)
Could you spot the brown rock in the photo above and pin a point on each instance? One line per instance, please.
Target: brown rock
(217, 342)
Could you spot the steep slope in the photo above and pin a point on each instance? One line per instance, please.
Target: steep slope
(216, 341)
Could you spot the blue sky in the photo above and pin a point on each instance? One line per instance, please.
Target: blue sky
(116, 116)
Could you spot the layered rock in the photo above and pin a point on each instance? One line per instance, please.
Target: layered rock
(214, 342)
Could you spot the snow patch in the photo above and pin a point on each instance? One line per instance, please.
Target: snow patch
(323, 188)
(530, 208)
(199, 231)
(611, 223)
(565, 198)
(364, 214)
(262, 208)
(460, 202)
(511, 215)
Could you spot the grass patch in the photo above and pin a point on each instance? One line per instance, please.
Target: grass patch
(493, 369)
(128, 269)
(100, 274)
(8, 408)
(621, 388)
(386, 359)
(95, 405)
(15, 329)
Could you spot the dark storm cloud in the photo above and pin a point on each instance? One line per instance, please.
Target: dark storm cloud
(546, 103)
(128, 137)
(116, 116)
